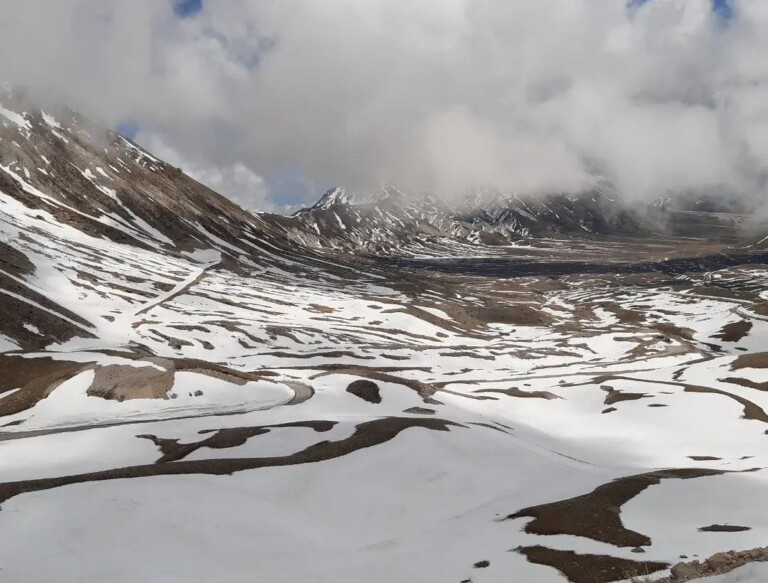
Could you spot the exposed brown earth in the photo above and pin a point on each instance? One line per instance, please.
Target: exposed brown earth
(34, 377)
(174, 451)
(615, 396)
(735, 331)
(746, 383)
(751, 410)
(519, 393)
(723, 528)
(366, 390)
(596, 515)
(368, 434)
(419, 411)
(753, 360)
(423, 389)
(125, 382)
(589, 568)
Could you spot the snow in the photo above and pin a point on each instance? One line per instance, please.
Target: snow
(424, 505)
(32, 328)
(15, 118)
(7, 345)
(751, 573)
(51, 121)
(69, 405)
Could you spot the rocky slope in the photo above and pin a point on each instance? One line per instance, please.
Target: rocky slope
(392, 221)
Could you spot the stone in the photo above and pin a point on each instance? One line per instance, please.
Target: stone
(686, 570)
(719, 560)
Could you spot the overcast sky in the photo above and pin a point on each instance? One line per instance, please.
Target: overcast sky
(272, 101)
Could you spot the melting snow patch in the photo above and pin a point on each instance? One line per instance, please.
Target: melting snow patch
(32, 328)
(7, 345)
(58, 135)
(203, 255)
(49, 119)
(14, 117)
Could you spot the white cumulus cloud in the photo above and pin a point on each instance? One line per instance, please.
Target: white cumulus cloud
(530, 95)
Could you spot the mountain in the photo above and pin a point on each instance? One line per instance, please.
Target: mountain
(378, 388)
(393, 222)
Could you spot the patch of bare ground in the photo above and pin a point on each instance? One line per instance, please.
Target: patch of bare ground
(320, 309)
(753, 360)
(473, 317)
(54, 322)
(615, 396)
(761, 309)
(624, 315)
(519, 393)
(221, 372)
(419, 411)
(751, 410)
(323, 354)
(724, 528)
(174, 451)
(368, 434)
(125, 382)
(745, 383)
(365, 390)
(34, 377)
(467, 354)
(734, 331)
(423, 389)
(172, 341)
(673, 330)
(14, 261)
(717, 564)
(596, 515)
(589, 568)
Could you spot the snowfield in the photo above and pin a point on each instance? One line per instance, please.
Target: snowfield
(189, 395)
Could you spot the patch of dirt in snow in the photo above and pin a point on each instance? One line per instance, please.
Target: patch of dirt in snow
(734, 331)
(230, 437)
(367, 434)
(366, 390)
(586, 568)
(125, 382)
(34, 378)
(597, 515)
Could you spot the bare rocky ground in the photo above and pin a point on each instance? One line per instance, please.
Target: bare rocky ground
(717, 564)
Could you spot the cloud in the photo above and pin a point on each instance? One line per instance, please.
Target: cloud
(235, 181)
(530, 96)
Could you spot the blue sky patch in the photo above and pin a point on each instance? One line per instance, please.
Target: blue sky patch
(723, 8)
(127, 128)
(289, 186)
(184, 8)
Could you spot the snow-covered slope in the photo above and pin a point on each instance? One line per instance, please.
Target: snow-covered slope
(189, 391)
